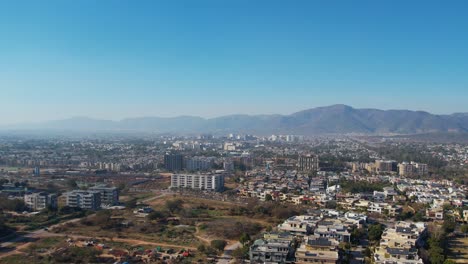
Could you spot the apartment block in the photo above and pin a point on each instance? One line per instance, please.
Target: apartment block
(90, 200)
(40, 201)
(109, 195)
(209, 182)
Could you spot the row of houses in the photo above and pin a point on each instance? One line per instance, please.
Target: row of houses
(312, 238)
(400, 244)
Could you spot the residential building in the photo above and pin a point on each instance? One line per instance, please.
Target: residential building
(210, 182)
(40, 201)
(412, 168)
(270, 251)
(173, 162)
(308, 163)
(399, 244)
(109, 195)
(318, 250)
(332, 228)
(198, 164)
(84, 199)
(385, 166)
(301, 225)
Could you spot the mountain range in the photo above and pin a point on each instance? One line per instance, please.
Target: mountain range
(335, 119)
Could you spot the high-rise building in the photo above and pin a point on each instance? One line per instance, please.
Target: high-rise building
(37, 171)
(412, 168)
(198, 163)
(209, 182)
(40, 201)
(173, 162)
(308, 163)
(385, 165)
(84, 199)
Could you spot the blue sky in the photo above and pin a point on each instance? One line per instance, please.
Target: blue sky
(117, 59)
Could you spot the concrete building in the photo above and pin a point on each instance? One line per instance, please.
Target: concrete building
(301, 225)
(198, 163)
(84, 199)
(173, 162)
(40, 201)
(412, 168)
(332, 228)
(385, 166)
(270, 251)
(209, 182)
(308, 163)
(399, 244)
(318, 250)
(109, 195)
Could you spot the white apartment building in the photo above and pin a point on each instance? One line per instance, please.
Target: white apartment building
(84, 199)
(40, 201)
(209, 182)
(109, 195)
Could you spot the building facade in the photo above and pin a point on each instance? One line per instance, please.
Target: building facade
(40, 201)
(90, 200)
(308, 163)
(173, 162)
(209, 182)
(109, 195)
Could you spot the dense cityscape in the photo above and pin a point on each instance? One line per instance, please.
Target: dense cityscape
(232, 198)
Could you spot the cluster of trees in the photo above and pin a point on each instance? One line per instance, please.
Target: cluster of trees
(362, 186)
(375, 232)
(4, 229)
(102, 219)
(267, 209)
(231, 229)
(12, 205)
(216, 247)
(437, 242)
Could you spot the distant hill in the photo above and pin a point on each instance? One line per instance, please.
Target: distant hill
(337, 119)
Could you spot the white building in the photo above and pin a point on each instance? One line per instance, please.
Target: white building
(84, 199)
(109, 195)
(40, 201)
(210, 182)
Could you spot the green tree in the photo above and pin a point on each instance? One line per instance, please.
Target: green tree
(464, 229)
(268, 197)
(156, 215)
(375, 232)
(244, 239)
(131, 203)
(174, 205)
(218, 244)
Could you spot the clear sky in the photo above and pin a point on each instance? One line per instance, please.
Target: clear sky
(118, 59)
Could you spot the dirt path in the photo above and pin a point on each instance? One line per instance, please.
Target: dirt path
(197, 235)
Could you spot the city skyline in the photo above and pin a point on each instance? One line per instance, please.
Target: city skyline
(116, 60)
